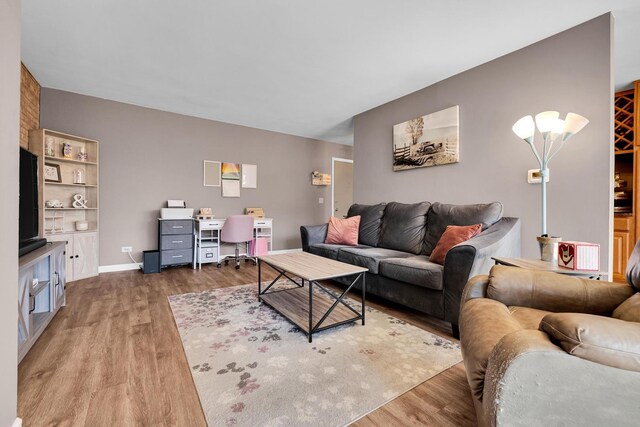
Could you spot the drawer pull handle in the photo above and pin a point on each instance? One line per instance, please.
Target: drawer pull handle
(176, 241)
(177, 226)
(176, 256)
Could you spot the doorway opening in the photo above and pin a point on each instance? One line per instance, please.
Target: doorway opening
(341, 186)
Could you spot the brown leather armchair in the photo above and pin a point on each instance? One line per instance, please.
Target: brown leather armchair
(547, 349)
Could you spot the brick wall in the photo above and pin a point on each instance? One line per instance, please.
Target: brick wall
(29, 105)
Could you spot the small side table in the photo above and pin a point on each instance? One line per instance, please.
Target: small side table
(537, 264)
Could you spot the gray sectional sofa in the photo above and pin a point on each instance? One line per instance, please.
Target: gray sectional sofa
(396, 239)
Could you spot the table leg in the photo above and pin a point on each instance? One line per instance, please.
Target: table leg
(363, 295)
(259, 280)
(310, 310)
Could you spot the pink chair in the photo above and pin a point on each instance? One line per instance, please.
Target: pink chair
(237, 229)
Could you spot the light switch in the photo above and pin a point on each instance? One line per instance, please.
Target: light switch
(321, 200)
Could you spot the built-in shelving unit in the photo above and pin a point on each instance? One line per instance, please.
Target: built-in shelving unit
(64, 223)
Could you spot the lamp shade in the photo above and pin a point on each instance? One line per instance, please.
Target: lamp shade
(547, 121)
(573, 124)
(557, 128)
(524, 128)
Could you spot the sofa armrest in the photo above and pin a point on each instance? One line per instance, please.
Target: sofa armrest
(476, 287)
(312, 234)
(473, 257)
(531, 381)
(555, 292)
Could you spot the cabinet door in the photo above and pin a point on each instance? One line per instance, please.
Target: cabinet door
(59, 278)
(85, 259)
(68, 253)
(24, 304)
(620, 254)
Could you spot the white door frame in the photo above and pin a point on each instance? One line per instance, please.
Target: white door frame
(333, 197)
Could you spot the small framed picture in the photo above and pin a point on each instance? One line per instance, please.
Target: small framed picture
(211, 173)
(52, 172)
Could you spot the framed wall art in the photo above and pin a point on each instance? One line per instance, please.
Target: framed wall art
(52, 172)
(211, 173)
(430, 140)
(249, 176)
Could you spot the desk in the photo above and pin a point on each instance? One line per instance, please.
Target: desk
(536, 264)
(208, 235)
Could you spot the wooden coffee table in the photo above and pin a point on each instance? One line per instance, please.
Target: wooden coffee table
(311, 313)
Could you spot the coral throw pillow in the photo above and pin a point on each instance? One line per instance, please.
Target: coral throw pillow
(343, 231)
(453, 235)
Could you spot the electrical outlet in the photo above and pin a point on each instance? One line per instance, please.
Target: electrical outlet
(126, 249)
(321, 200)
(534, 176)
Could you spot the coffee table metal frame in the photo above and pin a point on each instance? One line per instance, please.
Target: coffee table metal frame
(311, 283)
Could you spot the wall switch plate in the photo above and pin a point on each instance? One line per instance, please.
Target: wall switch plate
(320, 200)
(126, 249)
(534, 177)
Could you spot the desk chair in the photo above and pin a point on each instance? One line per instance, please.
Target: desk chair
(237, 229)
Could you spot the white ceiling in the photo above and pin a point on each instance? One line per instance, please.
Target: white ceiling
(300, 67)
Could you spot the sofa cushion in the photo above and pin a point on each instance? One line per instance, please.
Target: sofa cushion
(343, 231)
(529, 318)
(483, 323)
(417, 270)
(368, 257)
(328, 250)
(453, 235)
(604, 340)
(403, 226)
(629, 310)
(441, 215)
(370, 222)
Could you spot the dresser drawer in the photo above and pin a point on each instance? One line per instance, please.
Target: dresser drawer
(180, 226)
(262, 222)
(177, 241)
(177, 256)
(623, 222)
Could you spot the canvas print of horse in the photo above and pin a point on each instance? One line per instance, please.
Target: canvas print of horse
(429, 140)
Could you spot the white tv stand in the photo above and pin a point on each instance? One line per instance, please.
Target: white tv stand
(41, 292)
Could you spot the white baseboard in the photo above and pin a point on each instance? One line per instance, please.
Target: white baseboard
(119, 267)
(17, 423)
(131, 266)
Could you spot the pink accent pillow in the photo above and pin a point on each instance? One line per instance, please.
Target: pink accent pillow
(343, 231)
(453, 235)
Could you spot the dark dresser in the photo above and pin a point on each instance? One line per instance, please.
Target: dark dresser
(176, 241)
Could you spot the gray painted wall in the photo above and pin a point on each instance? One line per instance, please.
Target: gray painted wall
(569, 72)
(9, 147)
(148, 156)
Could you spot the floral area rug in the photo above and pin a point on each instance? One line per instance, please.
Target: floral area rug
(252, 367)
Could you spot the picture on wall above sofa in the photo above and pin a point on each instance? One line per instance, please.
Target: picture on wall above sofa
(429, 140)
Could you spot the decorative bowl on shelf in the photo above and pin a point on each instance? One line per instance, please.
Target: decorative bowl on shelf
(82, 225)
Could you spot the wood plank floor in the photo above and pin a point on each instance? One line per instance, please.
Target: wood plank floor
(113, 357)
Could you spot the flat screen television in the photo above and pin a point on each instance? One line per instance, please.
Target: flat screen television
(28, 220)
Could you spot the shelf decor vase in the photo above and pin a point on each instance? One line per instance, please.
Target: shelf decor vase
(549, 248)
(67, 151)
(82, 154)
(49, 146)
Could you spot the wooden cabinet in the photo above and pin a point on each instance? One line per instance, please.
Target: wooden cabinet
(41, 292)
(75, 162)
(626, 209)
(81, 259)
(623, 243)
